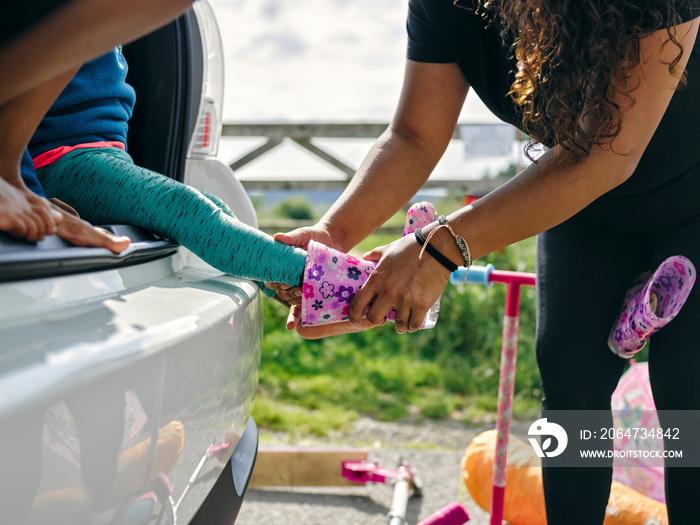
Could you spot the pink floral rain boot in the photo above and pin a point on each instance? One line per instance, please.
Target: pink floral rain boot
(332, 278)
(650, 303)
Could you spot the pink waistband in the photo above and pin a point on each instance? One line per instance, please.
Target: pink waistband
(53, 155)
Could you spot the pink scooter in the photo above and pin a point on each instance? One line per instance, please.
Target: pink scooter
(404, 479)
(486, 275)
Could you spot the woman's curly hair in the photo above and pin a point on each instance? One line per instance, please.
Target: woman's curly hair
(573, 58)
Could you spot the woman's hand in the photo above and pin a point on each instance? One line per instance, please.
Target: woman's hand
(300, 239)
(324, 330)
(288, 295)
(319, 232)
(403, 281)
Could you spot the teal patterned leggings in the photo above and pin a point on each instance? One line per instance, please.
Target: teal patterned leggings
(106, 187)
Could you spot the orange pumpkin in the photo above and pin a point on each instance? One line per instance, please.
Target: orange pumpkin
(524, 496)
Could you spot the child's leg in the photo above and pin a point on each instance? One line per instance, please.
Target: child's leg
(218, 202)
(106, 187)
(224, 208)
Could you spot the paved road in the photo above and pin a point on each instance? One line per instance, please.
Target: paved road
(433, 450)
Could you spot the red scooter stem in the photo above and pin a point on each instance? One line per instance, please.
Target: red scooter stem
(487, 275)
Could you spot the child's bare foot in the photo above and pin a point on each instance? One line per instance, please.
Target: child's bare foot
(26, 215)
(81, 233)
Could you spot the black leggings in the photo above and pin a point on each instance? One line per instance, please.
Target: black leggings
(583, 271)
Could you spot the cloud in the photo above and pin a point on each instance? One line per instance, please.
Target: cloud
(273, 47)
(271, 9)
(323, 60)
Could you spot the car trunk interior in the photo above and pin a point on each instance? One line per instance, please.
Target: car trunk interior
(165, 69)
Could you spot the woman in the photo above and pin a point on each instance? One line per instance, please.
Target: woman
(616, 193)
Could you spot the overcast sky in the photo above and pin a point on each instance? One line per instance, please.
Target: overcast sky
(317, 60)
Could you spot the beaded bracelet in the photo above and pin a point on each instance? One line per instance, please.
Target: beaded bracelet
(461, 243)
(426, 246)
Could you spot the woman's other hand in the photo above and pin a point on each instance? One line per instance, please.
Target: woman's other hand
(324, 330)
(319, 232)
(403, 281)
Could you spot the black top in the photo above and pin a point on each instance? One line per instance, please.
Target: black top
(440, 32)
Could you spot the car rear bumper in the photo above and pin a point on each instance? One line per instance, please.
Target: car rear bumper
(112, 380)
(226, 496)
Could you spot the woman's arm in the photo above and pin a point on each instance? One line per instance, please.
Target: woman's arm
(400, 161)
(542, 196)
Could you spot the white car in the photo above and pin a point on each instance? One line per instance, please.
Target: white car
(127, 381)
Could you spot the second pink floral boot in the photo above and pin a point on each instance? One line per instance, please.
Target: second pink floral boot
(332, 278)
(650, 303)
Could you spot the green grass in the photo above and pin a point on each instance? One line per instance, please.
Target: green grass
(451, 371)
(297, 421)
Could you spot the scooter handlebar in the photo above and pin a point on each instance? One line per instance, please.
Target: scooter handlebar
(475, 275)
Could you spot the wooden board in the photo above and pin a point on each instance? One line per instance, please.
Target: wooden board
(293, 467)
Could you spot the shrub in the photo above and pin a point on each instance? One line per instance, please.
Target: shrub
(381, 374)
(297, 208)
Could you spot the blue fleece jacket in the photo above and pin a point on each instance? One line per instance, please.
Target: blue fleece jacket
(29, 175)
(95, 106)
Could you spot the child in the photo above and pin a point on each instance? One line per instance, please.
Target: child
(79, 153)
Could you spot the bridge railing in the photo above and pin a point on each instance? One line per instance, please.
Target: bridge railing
(479, 140)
